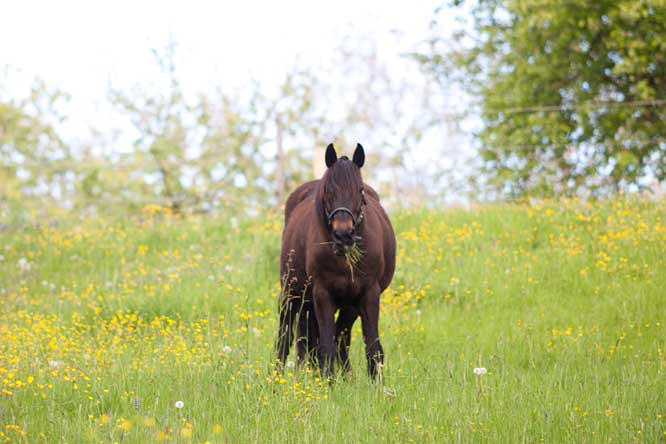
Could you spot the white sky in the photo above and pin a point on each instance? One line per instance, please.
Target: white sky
(83, 47)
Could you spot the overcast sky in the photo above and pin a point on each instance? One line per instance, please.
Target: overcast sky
(83, 47)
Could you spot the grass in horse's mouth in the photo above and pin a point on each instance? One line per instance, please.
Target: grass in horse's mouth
(353, 256)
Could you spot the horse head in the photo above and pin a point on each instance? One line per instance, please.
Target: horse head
(341, 198)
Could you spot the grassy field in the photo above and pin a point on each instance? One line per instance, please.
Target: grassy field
(159, 329)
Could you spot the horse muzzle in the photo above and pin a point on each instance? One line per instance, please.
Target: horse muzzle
(345, 237)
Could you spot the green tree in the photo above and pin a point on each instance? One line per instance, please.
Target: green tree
(189, 153)
(33, 156)
(572, 95)
(160, 121)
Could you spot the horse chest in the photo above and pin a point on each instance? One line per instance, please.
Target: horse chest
(344, 291)
(333, 273)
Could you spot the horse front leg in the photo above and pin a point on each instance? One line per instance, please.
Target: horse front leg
(369, 310)
(325, 312)
(343, 327)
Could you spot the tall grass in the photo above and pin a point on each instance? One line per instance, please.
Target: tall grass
(106, 325)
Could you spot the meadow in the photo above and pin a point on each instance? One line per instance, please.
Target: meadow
(159, 328)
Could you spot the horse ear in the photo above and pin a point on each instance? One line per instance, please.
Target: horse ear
(359, 156)
(331, 155)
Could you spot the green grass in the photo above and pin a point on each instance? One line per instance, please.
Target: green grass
(114, 321)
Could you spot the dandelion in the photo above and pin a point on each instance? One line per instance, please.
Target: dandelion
(186, 432)
(179, 404)
(480, 370)
(217, 429)
(24, 265)
(124, 424)
(455, 281)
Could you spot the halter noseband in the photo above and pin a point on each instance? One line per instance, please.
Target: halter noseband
(355, 221)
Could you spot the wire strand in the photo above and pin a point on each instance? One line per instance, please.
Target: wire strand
(588, 105)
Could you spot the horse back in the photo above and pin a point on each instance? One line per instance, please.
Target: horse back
(297, 196)
(388, 239)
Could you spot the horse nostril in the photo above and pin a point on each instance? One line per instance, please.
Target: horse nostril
(343, 235)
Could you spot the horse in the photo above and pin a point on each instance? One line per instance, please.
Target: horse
(337, 255)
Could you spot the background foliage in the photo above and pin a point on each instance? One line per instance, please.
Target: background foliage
(572, 95)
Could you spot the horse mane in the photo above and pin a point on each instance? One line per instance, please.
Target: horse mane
(342, 175)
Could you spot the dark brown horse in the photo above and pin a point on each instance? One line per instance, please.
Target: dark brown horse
(338, 255)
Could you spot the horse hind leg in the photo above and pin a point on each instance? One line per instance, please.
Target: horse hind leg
(308, 335)
(288, 313)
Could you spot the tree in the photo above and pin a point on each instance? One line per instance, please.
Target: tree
(572, 95)
(190, 153)
(33, 156)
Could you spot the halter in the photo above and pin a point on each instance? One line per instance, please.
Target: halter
(355, 221)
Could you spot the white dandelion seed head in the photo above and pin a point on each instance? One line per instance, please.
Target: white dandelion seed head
(211, 277)
(56, 364)
(480, 370)
(2, 258)
(290, 364)
(24, 265)
(234, 223)
(418, 312)
(256, 332)
(226, 349)
(228, 268)
(179, 404)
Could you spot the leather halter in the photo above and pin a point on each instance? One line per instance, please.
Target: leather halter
(355, 220)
